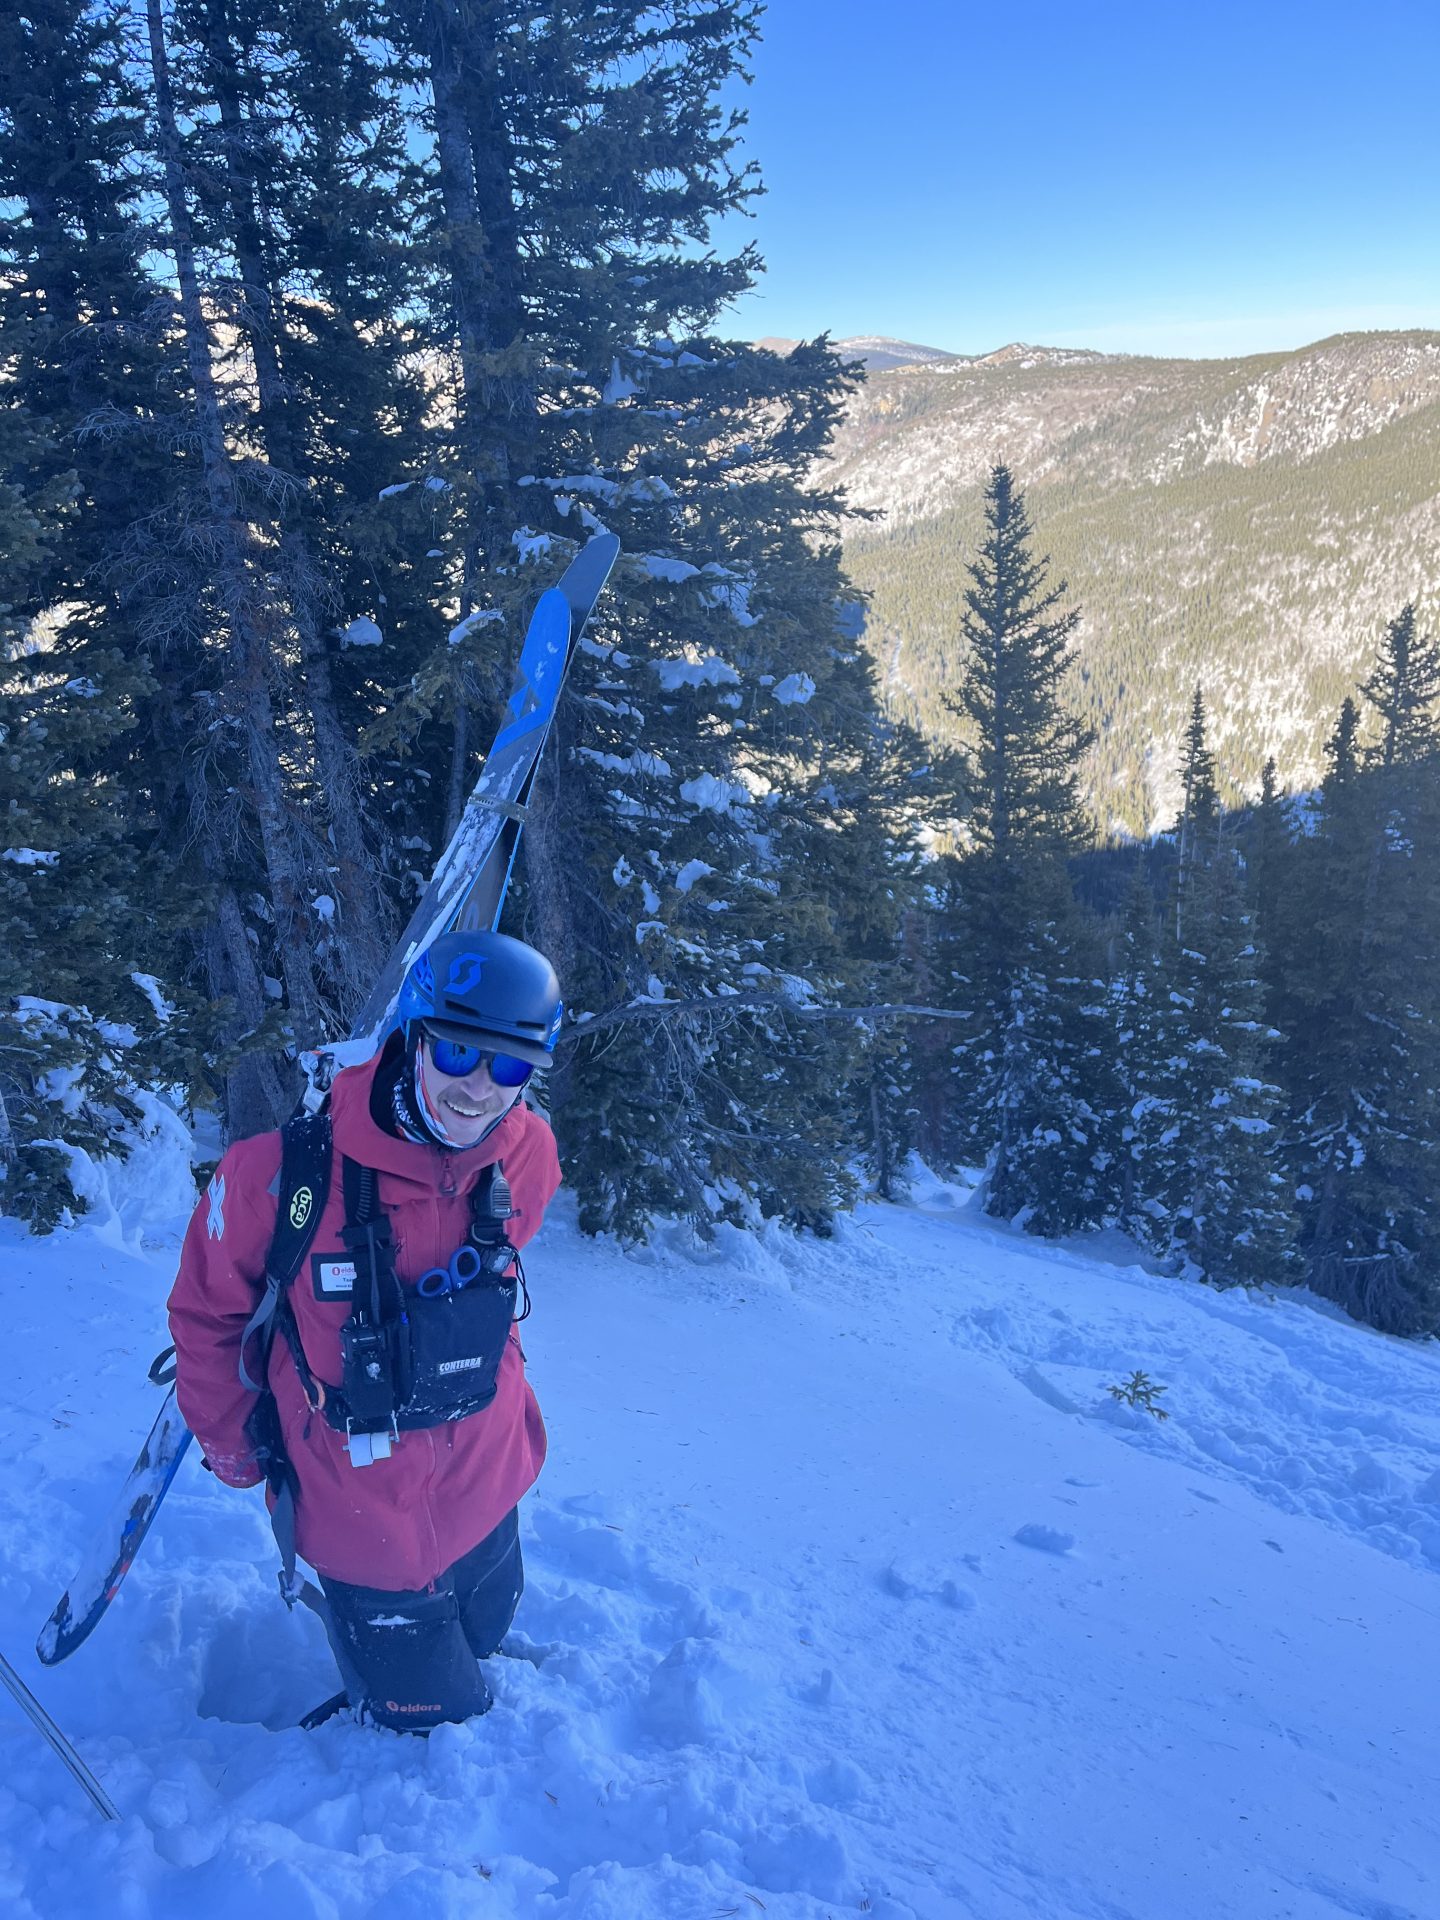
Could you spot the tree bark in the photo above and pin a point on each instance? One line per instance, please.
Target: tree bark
(362, 919)
(256, 1095)
(7, 1136)
(238, 573)
(883, 1170)
(496, 413)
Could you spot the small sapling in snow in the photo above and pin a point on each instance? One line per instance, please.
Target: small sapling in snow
(1140, 1391)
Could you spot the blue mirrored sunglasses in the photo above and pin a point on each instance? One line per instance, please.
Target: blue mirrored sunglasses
(454, 1059)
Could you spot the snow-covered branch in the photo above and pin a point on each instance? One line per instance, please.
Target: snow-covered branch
(750, 1002)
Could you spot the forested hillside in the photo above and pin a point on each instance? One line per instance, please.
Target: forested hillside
(325, 349)
(1244, 525)
(327, 340)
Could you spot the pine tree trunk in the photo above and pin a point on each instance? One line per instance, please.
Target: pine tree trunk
(1323, 1234)
(255, 1094)
(878, 1132)
(238, 571)
(476, 188)
(466, 263)
(1127, 1192)
(256, 1097)
(362, 920)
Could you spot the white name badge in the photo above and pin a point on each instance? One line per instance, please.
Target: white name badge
(333, 1279)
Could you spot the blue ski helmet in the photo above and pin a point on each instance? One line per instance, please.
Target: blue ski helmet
(479, 987)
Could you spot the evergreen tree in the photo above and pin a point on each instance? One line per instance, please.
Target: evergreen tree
(1267, 849)
(301, 188)
(1034, 1053)
(227, 590)
(1212, 1175)
(1363, 1145)
(688, 800)
(84, 1023)
(1219, 1184)
(886, 811)
(720, 780)
(1199, 806)
(1403, 688)
(1141, 1016)
(436, 304)
(1027, 750)
(1342, 755)
(96, 917)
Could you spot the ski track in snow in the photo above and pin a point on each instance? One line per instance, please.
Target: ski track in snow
(849, 1589)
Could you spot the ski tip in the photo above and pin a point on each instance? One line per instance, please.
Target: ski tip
(63, 1632)
(584, 578)
(52, 1645)
(600, 556)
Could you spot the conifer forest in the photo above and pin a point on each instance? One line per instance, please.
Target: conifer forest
(329, 332)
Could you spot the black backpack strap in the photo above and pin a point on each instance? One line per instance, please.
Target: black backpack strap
(304, 1188)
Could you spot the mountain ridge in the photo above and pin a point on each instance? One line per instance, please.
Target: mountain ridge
(882, 353)
(878, 351)
(1247, 524)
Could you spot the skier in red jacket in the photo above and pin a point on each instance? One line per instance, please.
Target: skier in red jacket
(402, 1415)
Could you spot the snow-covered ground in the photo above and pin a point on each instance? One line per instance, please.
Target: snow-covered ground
(851, 1590)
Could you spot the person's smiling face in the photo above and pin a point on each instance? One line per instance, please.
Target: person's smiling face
(468, 1105)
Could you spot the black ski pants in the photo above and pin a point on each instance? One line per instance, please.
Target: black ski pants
(410, 1659)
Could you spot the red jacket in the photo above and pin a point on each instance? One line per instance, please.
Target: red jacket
(400, 1522)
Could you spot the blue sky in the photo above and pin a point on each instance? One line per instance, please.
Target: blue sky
(1207, 180)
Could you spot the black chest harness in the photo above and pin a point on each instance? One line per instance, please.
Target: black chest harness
(412, 1357)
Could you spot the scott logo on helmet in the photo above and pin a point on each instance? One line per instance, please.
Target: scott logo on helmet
(465, 972)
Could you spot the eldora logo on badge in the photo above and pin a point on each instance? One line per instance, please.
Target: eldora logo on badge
(300, 1206)
(333, 1275)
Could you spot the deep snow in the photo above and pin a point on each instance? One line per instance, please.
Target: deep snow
(850, 1590)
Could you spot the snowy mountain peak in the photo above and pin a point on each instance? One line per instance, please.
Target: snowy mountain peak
(879, 352)
(882, 354)
(1019, 354)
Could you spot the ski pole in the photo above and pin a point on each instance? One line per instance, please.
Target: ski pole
(57, 1739)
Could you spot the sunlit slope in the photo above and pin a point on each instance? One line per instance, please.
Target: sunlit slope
(1245, 525)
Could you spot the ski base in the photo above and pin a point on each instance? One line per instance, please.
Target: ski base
(82, 1606)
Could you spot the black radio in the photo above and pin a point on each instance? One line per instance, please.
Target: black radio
(369, 1377)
